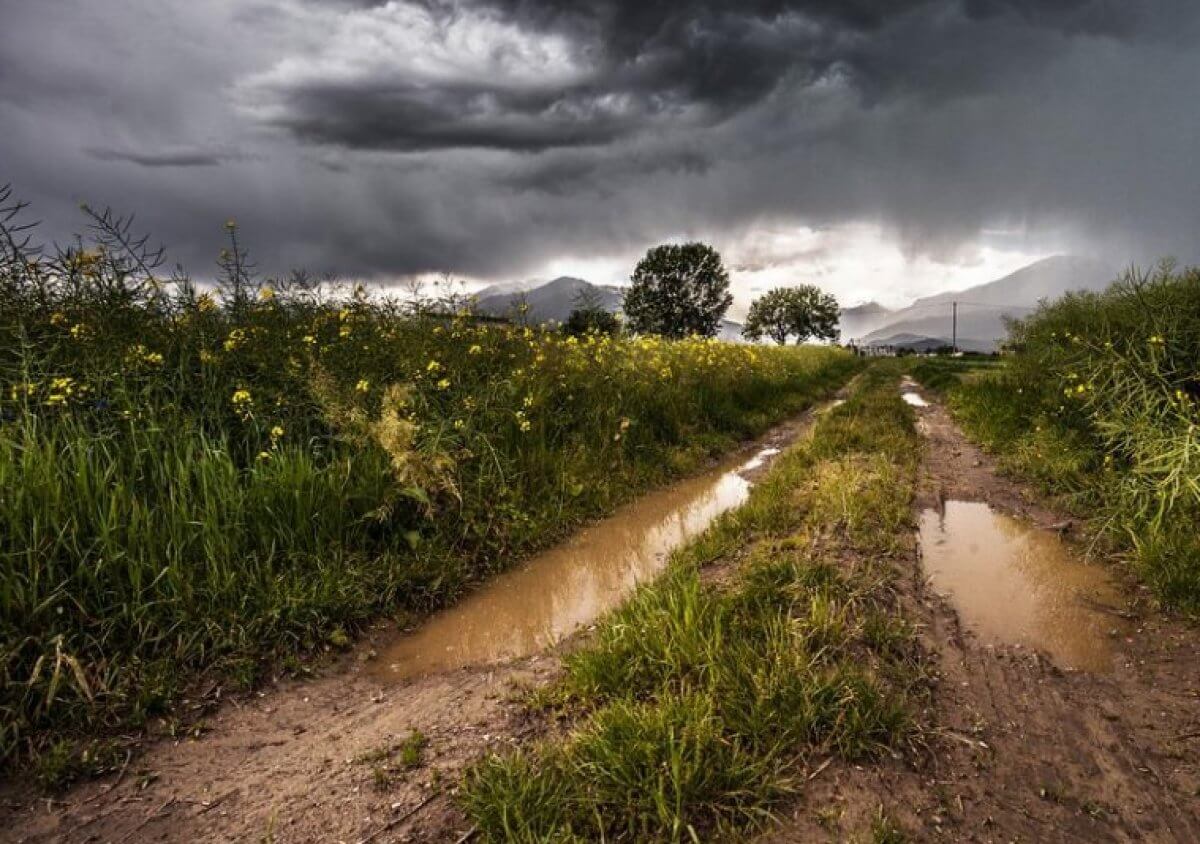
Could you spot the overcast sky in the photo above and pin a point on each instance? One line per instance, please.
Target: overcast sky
(880, 148)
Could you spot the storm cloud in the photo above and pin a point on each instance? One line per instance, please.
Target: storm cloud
(493, 137)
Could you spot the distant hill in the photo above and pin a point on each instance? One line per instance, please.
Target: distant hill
(549, 302)
(505, 288)
(920, 343)
(982, 309)
(554, 301)
(862, 319)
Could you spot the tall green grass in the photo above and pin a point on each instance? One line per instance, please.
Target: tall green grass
(208, 484)
(1099, 404)
(697, 704)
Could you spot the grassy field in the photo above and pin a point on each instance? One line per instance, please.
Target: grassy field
(1099, 405)
(210, 484)
(695, 705)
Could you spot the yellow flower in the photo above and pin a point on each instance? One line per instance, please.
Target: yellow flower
(363, 385)
(433, 366)
(236, 337)
(78, 330)
(242, 399)
(475, 350)
(206, 356)
(266, 294)
(459, 424)
(264, 455)
(528, 401)
(205, 303)
(277, 432)
(444, 384)
(58, 318)
(310, 340)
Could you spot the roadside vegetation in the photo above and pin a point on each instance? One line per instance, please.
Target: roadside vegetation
(1098, 403)
(204, 483)
(773, 641)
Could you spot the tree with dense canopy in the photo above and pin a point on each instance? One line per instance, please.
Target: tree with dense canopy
(802, 312)
(678, 290)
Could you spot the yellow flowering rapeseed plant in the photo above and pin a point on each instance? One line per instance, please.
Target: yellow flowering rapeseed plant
(242, 402)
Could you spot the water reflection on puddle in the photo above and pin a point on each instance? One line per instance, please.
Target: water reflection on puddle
(1016, 584)
(528, 609)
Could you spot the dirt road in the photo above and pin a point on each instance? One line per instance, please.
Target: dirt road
(1020, 749)
(1016, 748)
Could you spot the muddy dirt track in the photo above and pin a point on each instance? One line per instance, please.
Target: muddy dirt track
(288, 765)
(1017, 748)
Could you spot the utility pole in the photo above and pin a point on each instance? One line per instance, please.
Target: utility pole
(954, 329)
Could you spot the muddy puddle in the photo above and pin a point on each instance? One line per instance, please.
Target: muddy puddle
(1016, 584)
(556, 592)
(908, 392)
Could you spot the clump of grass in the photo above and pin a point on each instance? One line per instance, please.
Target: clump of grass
(698, 704)
(387, 761)
(412, 749)
(215, 482)
(884, 830)
(1100, 404)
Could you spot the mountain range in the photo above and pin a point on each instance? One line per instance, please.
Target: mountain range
(923, 325)
(549, 302)
(926, 323)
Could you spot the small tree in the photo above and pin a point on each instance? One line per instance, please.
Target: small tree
(583, 321)
(678, 290)
(801, 312)
(589, 316)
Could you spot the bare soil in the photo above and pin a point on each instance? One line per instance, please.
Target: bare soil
(1013, 749)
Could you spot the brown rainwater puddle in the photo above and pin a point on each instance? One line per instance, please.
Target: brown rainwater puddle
(1016, 584)
(528, 609)
(908, 392)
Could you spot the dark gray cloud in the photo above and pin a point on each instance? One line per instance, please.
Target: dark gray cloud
(687, 65)
(159, 158)
(489, 136)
